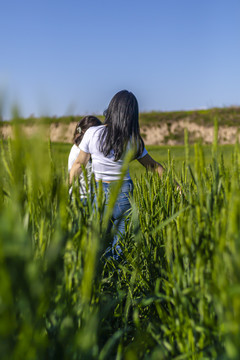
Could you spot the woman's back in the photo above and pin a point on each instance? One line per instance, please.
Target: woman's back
(105, 168)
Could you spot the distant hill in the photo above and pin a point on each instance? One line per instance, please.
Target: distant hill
(157, 128)
(229, 116)
(226, 116)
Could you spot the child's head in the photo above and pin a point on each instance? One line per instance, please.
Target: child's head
(82, 127)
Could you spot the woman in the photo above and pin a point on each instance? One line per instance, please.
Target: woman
(82, 126)
(107, 145)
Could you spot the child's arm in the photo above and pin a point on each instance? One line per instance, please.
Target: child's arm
(76, 169)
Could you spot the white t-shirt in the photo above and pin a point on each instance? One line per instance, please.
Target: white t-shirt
(103, 167)
(74, 152)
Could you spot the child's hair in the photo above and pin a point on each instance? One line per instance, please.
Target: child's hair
(82, 127)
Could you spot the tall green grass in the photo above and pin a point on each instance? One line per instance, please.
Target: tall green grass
(173, 295)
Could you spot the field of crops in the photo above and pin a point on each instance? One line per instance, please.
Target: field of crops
(175, 293)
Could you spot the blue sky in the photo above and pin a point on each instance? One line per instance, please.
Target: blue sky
(71, 57)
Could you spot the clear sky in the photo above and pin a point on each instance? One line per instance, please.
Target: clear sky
(70, 57)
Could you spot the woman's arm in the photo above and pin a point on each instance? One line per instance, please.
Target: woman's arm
(76, 169)
(150, 164)
(153, 165)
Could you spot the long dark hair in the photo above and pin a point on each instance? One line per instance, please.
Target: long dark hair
(122, 125)
(82, 127)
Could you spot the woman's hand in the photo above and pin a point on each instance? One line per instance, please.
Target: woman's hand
(150, 164)
(76, 169)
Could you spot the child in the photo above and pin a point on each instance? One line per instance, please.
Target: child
(81, 128)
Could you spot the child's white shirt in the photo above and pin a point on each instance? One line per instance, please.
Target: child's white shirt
(74, 152)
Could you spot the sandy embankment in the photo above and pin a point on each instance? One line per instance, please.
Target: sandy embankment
(161, 134)
(173, 134)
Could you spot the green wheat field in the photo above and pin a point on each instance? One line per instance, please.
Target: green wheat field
(175, 293)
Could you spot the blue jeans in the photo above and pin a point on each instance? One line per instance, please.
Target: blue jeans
(120, 213)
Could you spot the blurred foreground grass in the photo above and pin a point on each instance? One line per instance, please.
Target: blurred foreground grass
(175, 294)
